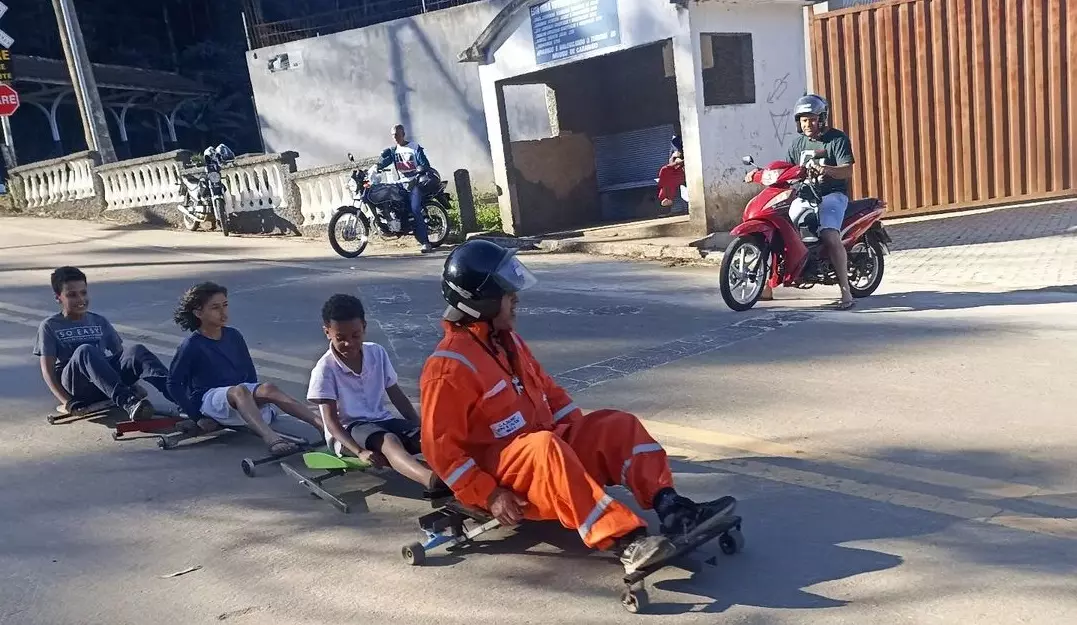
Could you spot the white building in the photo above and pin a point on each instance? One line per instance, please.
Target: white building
(616, 79)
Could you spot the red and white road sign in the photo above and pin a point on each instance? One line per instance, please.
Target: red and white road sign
(9, 101)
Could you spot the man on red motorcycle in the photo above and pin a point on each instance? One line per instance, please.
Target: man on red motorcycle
(813, 133)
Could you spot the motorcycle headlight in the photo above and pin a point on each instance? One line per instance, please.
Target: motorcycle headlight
(214, 177)
(353, 186)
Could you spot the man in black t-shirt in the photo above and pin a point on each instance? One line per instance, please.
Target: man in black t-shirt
(835, 169)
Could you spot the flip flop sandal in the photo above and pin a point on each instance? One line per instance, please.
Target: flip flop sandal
(276, 446)
(845, 305)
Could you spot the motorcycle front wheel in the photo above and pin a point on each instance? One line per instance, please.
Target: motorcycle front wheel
(348, 227)
(437, 223)
(744, 272)
(865, 267)
(220, 216)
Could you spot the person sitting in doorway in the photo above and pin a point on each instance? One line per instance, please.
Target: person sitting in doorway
(349, 383)
(671, 176)
(507, 438)
(214, 378)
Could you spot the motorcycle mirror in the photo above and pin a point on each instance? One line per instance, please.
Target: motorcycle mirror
(747, 160)
(350, 157)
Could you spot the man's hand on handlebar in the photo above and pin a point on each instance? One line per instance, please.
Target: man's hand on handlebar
(751, 174)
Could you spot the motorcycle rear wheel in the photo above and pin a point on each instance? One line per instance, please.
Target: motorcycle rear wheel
(356, 225)
(746, 250)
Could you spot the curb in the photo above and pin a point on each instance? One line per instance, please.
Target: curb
(631, 250)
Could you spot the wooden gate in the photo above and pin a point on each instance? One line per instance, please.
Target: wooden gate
(953, 104)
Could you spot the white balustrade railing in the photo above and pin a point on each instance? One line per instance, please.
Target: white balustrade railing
(322, 191)
(144, 182)
(58, 180)
(254, 183)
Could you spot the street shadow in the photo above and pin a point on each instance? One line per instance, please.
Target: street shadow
(912, 301)
(1009, 224)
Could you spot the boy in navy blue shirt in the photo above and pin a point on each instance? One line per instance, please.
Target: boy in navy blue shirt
(214, 379)
(83, 358)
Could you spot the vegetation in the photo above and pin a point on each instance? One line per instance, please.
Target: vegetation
(487, 212)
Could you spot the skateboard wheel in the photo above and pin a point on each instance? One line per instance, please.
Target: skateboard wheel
(731, 542)
(248, 467)
(51, 419)
(414, 554)
(635, 601)
(116, 436)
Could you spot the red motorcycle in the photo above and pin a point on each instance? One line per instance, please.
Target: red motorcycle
(771, 243)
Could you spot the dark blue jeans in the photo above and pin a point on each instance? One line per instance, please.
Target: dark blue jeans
(91, 376)
(418, 221)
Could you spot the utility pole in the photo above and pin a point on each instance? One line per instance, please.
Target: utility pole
(94, 123)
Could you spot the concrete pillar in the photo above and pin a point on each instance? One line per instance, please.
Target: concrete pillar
(7, 150)
(493, 101)
(689, 77)
(94, 123)
(465, 199)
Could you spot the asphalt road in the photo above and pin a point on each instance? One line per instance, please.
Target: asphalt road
(907, 462)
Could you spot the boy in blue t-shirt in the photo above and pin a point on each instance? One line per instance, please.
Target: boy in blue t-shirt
(83, 359)
(214, 379)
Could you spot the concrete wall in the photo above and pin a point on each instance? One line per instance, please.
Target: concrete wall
(349, 88)
(763, 129)
(555, 188)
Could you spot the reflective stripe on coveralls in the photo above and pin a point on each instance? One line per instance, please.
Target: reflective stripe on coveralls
(599, 508)
(459, 472)
(638, 449)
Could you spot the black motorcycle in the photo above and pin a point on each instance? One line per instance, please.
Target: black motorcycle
(203, 195)
(388, 207)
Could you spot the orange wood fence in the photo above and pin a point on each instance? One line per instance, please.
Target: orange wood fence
(953, 104)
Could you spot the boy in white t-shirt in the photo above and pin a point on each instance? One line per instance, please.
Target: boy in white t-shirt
(349, 384)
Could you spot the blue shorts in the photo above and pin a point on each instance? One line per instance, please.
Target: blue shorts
(831, 210)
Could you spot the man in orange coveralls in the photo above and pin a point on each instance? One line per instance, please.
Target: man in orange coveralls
(508, 439)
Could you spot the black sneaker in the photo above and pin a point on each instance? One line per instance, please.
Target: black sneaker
(140, 410)
(645, 550)
(440, 491)
(687, 518)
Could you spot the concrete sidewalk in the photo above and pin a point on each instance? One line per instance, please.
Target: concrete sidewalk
(1037, 229)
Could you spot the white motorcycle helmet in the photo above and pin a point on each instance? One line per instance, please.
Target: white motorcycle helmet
(225, 153)
(812, 104)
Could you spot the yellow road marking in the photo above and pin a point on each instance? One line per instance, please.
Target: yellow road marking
(969, 511)
(985, 487)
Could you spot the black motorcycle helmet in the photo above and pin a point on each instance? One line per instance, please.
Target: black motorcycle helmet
(429, 181)
(477, 275)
